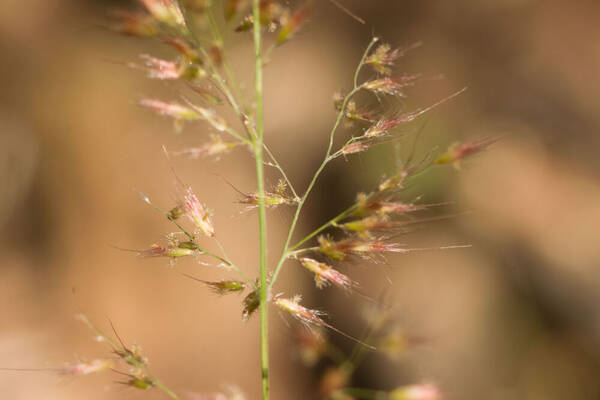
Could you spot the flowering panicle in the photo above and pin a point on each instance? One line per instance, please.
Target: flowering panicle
(214, 148)
(165, 11)
(202, 66)
(325, 274)
(458, 151)
(384, 57)
(422, 391)
(222, 287)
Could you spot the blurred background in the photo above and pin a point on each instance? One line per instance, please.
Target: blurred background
(513, 317)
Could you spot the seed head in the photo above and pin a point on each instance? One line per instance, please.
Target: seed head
(172, 110)
(325, 274)
(222, 287)
(392, 86)
(384, 125)
(271, 199)
(157, 250)
(366, 205)
(197, 213)
(251, 303)
(355, 147)
(305, 315)
(142, 382)
(365, 225)
(342, 249)
(214, 148)
(422, 391)
(384, 57)
(354, 113)
(165, 11)
(457, 151)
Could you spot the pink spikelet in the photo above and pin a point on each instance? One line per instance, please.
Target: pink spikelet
(325, 274)
(161, 69)
(384, 125)
(458, 151)
(310, 318)
(165, 11)
(172, 110)
(197, 213)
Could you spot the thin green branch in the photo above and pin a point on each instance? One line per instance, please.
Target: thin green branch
(275, 163)
(192, 239)
(218, 37)
(285, 254)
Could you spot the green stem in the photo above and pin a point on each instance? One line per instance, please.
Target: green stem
(258, 155)
(285, 254)
(165, 389)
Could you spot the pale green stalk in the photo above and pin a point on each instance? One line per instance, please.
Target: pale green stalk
(262, 220)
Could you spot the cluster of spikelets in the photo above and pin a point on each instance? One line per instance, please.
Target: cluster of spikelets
(337, 367)
(365, 229)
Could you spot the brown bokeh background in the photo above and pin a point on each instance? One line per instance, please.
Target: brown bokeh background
(513, 317)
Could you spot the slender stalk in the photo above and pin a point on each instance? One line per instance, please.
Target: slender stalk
(326, 160)
(165, 389)
(262, 221)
